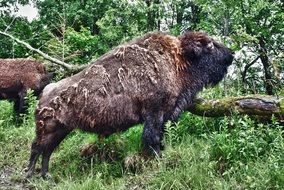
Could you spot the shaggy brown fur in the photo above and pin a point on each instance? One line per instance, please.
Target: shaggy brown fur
(18, 75)
(149, 80)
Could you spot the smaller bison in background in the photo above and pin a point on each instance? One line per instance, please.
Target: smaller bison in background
(19, 75)
(149, 80)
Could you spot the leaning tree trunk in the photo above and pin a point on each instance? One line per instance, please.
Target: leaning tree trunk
(68, 67)
(258, 105)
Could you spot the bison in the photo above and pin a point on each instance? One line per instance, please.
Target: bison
(19, 75)
(149, 80)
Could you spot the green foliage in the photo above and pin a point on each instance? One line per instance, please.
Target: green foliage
(74, 47)
(20, 27)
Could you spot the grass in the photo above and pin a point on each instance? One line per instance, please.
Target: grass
(233, 152)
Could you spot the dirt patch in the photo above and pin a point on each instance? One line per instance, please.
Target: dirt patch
(6, 181)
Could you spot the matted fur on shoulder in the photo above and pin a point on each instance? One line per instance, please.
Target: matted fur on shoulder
(168, 43)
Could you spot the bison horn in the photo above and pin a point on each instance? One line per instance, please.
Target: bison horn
(210, 45)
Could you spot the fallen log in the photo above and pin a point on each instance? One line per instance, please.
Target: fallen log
(258, 105)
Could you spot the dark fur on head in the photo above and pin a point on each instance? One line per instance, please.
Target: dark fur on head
(19, 75)
(207, 62)
(149, 80)
(205, 54)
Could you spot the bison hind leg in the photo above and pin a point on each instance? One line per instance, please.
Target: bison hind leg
(44, 145)
(36, 150)
(53, 140)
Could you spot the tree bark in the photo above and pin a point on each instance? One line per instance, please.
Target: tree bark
(153, 20)
(196, 16)
(266, 67)
(258, 105)
(68, 67)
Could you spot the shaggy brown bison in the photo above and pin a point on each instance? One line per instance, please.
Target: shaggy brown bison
(149, 80)
(19, 75)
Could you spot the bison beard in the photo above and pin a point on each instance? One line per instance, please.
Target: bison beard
(19, 75)
(149, 80)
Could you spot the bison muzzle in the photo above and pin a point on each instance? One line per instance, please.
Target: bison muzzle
(149, 80)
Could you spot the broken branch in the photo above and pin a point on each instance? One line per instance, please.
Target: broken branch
(70, 68)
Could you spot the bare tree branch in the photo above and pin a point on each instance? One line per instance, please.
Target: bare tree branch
(70, 68)
(8, 26)
(244, 74)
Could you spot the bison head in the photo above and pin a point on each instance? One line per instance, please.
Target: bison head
(207, 58)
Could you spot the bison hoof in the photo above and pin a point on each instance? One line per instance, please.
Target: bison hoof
(46, 176)
(150, 152)
(29, 173)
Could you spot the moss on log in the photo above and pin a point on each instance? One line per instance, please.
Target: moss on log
(259, 105)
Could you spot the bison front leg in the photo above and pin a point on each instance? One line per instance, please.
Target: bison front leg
(153, 134)
(53, 140)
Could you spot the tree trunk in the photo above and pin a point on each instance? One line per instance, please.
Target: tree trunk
(95, 27)
(150, 16)
(153, 20)
(195, 18)
(266, 66)
(258, 105)
(179, 13)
